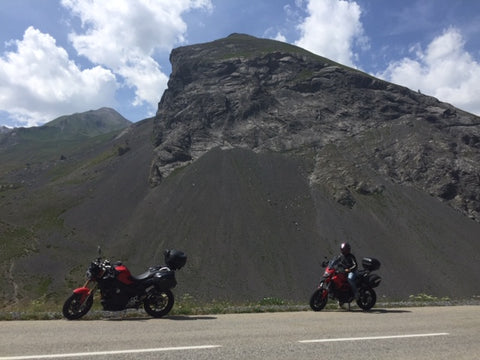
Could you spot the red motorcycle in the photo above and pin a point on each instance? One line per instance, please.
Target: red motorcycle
(120, 290)
(334, 285)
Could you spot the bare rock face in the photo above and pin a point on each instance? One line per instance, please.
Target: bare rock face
(358, 131)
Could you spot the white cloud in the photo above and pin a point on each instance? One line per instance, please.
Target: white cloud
(444, 70)
(38, 82)
(280, 37)
(124, 35)
(331, 29)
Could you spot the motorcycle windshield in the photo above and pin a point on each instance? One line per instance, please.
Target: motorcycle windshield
(336, 263)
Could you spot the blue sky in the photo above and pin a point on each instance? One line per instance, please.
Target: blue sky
(58, 57)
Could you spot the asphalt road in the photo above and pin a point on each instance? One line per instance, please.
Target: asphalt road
(403, 333)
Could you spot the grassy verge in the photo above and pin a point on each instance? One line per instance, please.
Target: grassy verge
(188, 306)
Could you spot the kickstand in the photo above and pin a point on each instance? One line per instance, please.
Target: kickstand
(348, 306)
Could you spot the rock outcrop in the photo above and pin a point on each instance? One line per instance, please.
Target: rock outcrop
(268, 96)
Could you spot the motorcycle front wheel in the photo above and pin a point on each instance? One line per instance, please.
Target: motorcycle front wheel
(319, 299)
(75, 307)
(159, 303)
(367, 298)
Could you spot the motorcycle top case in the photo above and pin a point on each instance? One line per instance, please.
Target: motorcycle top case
(175, 259)
(370, 263)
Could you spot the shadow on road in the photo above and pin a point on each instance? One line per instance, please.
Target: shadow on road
(172, 317)
(380, 311)
(185, 317)
(388, 311)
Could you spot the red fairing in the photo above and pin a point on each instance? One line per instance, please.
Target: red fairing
(124, 274)
(82, 290)
(340, 280)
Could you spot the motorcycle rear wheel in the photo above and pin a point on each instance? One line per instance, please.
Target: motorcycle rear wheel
(367, 298)
(159, 303)
(74, 308)
(319, 299)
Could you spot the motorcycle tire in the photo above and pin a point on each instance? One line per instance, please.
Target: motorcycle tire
(367, 298)
(74, 308)
(319, 299)
(159, 303)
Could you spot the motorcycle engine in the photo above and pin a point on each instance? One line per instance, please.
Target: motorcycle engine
(115, 294)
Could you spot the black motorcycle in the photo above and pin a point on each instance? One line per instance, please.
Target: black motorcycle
(119, 290)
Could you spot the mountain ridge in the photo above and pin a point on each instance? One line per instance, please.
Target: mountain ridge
(20, 146)
(89, 123)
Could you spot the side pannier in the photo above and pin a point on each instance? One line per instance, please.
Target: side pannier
(165, 279)
(374, 280)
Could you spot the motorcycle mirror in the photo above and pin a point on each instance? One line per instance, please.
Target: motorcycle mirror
(325, 262)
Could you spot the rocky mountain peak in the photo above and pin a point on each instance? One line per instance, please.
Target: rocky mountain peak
(358, 131)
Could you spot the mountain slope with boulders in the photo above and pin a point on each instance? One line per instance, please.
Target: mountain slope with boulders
(388, 169)
(262, 158)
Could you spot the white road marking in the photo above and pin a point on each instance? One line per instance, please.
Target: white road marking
(371, 338)
(116, 352)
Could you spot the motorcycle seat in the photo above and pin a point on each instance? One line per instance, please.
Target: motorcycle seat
(149, 273)
(143, 276)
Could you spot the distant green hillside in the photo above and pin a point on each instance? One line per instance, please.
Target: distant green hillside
(59, 137)
(90, 123)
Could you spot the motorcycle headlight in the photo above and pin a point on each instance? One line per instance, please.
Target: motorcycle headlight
(93, 270)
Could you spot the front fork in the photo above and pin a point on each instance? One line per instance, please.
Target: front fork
(85, 291)
(325, 287)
